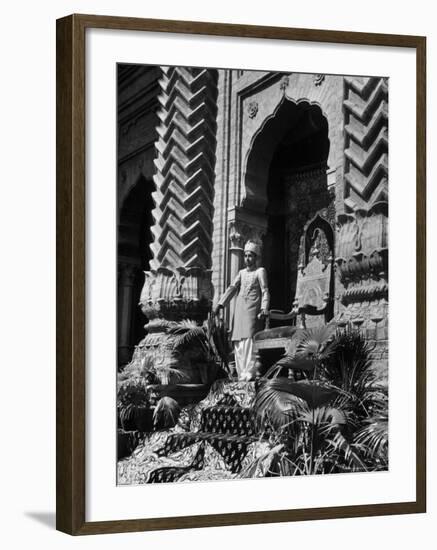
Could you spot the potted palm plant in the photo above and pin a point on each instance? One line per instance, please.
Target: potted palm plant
(133, 405)
(206, 344)
(334, 419)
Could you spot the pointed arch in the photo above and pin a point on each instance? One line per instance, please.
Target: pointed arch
(290, 117)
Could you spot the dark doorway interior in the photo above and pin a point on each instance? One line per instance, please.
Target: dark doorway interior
(134, 255)
(296, 191)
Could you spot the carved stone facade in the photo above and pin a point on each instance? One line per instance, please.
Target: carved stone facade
(179, 283)
(297, 162)
(177, 293)
(366, 146)
(362, 274)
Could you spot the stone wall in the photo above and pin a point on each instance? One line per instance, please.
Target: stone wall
(178, 284)
(207, 138)
(247, 101)
(137, 122)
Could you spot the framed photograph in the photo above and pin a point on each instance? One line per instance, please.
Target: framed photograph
(240, 274)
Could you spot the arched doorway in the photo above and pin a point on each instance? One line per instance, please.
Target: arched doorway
(134, 254)
(286, 178)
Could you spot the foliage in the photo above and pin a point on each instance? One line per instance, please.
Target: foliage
(136, 379)
(373, 437)
(333, 421)
(187, 333)
(307, 350)
(166, 413)
(132, 391)
(218, 340)
(143, 366)
(168, 373)
(132, 396)
(209, 338)
(260, 467)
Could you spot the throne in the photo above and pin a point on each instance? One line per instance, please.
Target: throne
(312, 305)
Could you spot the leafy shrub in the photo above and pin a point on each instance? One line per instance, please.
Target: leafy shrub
(336, 419)
(166, 413)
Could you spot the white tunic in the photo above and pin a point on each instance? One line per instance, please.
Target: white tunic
(253, 296)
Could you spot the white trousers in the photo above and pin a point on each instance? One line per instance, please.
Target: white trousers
(244, 358)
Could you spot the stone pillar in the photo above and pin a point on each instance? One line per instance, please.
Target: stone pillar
(365, 108)
(362, 276)
(222, 180)
(127, 273)
(362, 247)
(179, 282)
(236, 251)
(236, 254)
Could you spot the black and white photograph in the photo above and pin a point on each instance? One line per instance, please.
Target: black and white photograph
(215, 220)
(252, 252)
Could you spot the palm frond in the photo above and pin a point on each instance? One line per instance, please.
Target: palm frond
(167, 374)
(336, 422)
(374, 437)
(276, 406)
(218, 339)
(315, 393)
(299, 362)
(350, 364)
(166, 412)
(185, 337)
(340, 444)
(323, 416)
(260, 466)
(315, 341)
(183, 326)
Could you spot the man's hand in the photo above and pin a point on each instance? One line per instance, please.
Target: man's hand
(263, 313)
(217, 309)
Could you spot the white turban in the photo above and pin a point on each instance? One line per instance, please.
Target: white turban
(253, 247)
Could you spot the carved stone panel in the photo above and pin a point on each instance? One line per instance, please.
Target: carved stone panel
(314, 277)
(177, 293)
(366, 141)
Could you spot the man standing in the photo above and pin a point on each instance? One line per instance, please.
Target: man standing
(252, 304)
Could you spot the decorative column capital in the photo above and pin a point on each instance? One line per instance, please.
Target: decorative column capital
(176, 294)
(236, 237)
(240, 232)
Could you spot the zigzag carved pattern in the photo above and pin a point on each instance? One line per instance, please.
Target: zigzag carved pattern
(184, 163)
(366, 147)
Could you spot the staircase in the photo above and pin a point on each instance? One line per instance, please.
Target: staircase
(215, 439)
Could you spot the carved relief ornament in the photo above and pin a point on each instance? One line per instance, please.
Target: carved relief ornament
(240, 232)
(252, 109)
(285, 81)
(176, 293)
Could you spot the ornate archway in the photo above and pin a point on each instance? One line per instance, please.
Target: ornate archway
(134, 254)
(285, 182)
